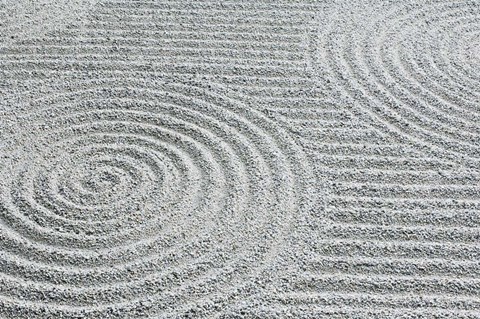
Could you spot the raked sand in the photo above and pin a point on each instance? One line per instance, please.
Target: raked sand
(239, 159)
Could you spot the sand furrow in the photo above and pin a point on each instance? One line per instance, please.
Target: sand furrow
(239, 159)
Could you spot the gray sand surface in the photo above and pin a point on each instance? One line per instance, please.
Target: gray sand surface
(239, 159)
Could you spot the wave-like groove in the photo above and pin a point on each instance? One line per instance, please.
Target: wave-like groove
(126, 194)
(401, 66)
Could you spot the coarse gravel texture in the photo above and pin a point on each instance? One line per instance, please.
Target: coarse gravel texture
(239, 159)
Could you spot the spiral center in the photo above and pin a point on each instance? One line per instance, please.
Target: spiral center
(100, 180)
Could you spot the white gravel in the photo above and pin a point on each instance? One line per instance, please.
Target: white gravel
(239, 159)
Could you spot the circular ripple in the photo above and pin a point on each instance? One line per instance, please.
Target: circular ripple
(412, 66)
(128, 198)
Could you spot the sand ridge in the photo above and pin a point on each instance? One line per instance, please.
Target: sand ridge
(175, 187)
(239, 159)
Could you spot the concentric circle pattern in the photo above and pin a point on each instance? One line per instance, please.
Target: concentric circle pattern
(169, 159)
(128, 197)
(414, 67)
